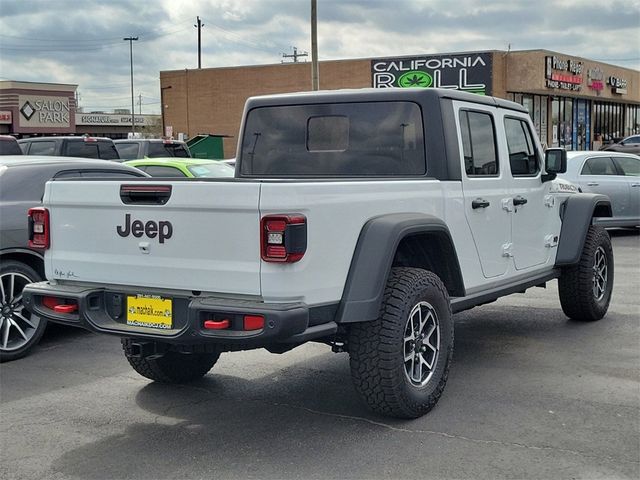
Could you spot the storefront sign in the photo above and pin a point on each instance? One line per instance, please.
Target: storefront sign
(5, 117)
(595, 79)
(112, 119)
(42, 111)
(563, 74)
(467, 72)
(619, 85)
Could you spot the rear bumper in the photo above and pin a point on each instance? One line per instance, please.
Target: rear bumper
(104, 310)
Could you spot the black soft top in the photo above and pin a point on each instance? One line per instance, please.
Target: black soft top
(418, 95)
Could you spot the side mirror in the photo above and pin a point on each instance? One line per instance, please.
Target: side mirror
(555, 161)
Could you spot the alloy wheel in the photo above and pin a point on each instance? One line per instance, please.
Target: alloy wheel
(599, 274)
(17, 326)
(421, 344)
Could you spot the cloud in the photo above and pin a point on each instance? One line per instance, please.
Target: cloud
(81, 41)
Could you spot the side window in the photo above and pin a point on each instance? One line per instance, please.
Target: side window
(478, 143)
(108, 151)
(632, 140)
(127, 151)
(599, 166)
(42, 148)
(168, 172)
(82, 149)
(522, 154)
(630, 166)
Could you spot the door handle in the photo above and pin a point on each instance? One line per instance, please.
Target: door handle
(480, 203)
(635, 184)
(519, 201)
(593, 184)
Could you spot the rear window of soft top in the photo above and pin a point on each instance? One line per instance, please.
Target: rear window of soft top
(334, 140)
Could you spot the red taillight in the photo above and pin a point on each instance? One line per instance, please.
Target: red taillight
(283, 238)
(38, 227)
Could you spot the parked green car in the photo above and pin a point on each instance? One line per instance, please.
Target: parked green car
(182, 167)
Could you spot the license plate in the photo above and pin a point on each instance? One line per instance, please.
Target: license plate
(150, 311)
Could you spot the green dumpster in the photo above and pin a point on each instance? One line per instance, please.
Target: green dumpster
(207, 146)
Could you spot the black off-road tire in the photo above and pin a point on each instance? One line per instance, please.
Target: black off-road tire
(377, 349)
(576, 283)
(171, 367)
(27, 275)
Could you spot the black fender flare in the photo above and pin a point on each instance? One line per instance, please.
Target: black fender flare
(577, 214)
(373, 257)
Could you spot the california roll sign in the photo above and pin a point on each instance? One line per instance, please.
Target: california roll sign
(470, 72)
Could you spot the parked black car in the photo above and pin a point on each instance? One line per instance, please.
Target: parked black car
(22, 181)
(83, 147)
(9, 145)
(135, 148)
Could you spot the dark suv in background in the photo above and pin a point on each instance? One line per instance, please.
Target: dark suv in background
(9, 145)
(84, 147)
(134, 148)
(22, 181)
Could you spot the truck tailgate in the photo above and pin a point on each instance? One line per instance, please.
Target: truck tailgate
(205, 237)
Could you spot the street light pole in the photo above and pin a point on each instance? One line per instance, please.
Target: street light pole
(133, 118)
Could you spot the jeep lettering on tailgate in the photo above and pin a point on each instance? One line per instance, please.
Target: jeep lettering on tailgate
(163, 229)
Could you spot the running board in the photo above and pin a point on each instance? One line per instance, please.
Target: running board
(458, 304)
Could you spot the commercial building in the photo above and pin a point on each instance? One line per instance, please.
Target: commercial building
(36, 109)
(574, 102)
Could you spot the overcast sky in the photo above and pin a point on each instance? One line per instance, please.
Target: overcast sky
(80, 41)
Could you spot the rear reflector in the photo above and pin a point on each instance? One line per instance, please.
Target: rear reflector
(38, 219)
(283, 238)
(253, 322)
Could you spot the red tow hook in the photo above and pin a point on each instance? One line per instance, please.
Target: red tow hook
(65, 308)
(214, 325)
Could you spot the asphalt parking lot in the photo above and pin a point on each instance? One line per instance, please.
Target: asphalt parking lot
(530, 395)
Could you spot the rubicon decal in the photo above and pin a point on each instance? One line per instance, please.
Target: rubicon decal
(162, 229)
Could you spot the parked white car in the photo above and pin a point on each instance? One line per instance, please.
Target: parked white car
(614, 174)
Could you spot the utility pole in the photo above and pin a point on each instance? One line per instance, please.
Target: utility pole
(133, 113)
(315, 83)
(199, 26)
(295, 55)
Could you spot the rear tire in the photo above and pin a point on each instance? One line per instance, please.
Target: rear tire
(400, 361)
(585, 289)
(171, 367)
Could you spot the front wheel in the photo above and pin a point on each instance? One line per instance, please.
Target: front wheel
(585, 289)
(400, 362)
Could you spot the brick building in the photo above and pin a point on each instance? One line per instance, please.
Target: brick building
(574, 102)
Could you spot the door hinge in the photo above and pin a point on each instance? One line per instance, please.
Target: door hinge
(507, 250)
(551, 241)
(507, 204)
(549, 200)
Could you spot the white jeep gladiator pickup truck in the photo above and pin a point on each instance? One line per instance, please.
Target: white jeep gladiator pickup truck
(361, 219)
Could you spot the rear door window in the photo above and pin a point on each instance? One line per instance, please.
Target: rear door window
(42, 148)
(629, 166)
(128, 151)
(168, 149)
(335, 140)
(9, 147)
(82, 149)
(107, 151)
